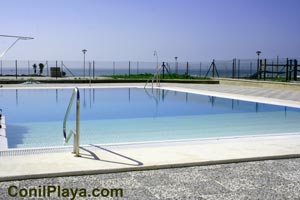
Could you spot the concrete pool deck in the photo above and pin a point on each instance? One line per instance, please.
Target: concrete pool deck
(108, 159)
(116, 158)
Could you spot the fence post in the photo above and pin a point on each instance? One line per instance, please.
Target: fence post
(200, 70)
(28, 65)
(62, 67)
(56, 69)
(233, 70)
(258, 69)
(93, 69)
(129, 69)
(290, 69)
(295, 69)
(277, 67)
(16, 69)
(90, 66)
(47, 68)
(239, 68)
(287, 70)
(187, 68)
(250, 68)
(265, 68)
(114, 68)
(163, 66)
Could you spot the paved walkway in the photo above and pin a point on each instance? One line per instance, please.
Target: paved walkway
(292, 95)
(265, 180)
(274, 179)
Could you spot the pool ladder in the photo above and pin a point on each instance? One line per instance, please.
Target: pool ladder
(76, 133)
(156, 78)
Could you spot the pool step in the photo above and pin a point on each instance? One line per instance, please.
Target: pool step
(3, 138)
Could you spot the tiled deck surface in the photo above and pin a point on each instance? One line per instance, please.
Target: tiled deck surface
(274, 179)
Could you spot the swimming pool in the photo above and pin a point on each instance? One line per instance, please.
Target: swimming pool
(34, 117)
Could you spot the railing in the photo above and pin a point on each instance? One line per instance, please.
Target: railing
(76, 133)
(155, 77)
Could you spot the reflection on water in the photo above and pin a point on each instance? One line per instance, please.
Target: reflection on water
(157, 100)
(32, 114)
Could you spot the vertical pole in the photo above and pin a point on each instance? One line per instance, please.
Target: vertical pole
(56, 71)
(290, 69)
(129, 68)
(295, 69)
(1, 67)
(250, 68)
(90, 67)
(93, 69)
(84, 65)
(114, 68)
(47, 68)
(265, 68)
(258, 69)
(238, 68)
(62, 67)
(234, 68)
(213, 68)
(28, 67)
(163, 66)
(287, 70)
(233, 64)
(137, 67)
(16, 69)
(277, 62)
(187, 68)
(77, 136)
(200, 70)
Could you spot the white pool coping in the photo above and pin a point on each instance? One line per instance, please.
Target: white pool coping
(155, 155)
(120, 158)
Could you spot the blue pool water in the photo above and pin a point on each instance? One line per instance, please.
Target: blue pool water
(34, 117)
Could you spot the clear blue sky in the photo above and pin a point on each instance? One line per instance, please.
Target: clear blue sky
(193, 30)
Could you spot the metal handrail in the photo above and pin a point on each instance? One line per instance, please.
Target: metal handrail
(76, 133)
(155, 77)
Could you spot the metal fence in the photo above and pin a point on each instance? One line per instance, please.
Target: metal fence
(235, 68)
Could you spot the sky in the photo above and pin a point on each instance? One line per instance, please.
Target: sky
(122, 30)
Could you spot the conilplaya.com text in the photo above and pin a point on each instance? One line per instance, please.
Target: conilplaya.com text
(48, 191)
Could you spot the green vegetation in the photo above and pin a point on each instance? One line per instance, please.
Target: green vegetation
(278, 79)
(166, 76)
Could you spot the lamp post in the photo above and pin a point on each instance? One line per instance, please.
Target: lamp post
(258, 53)
(258, 70)
(176, 64)
(84, 51)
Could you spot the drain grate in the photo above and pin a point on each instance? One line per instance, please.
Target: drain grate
(32, 151)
